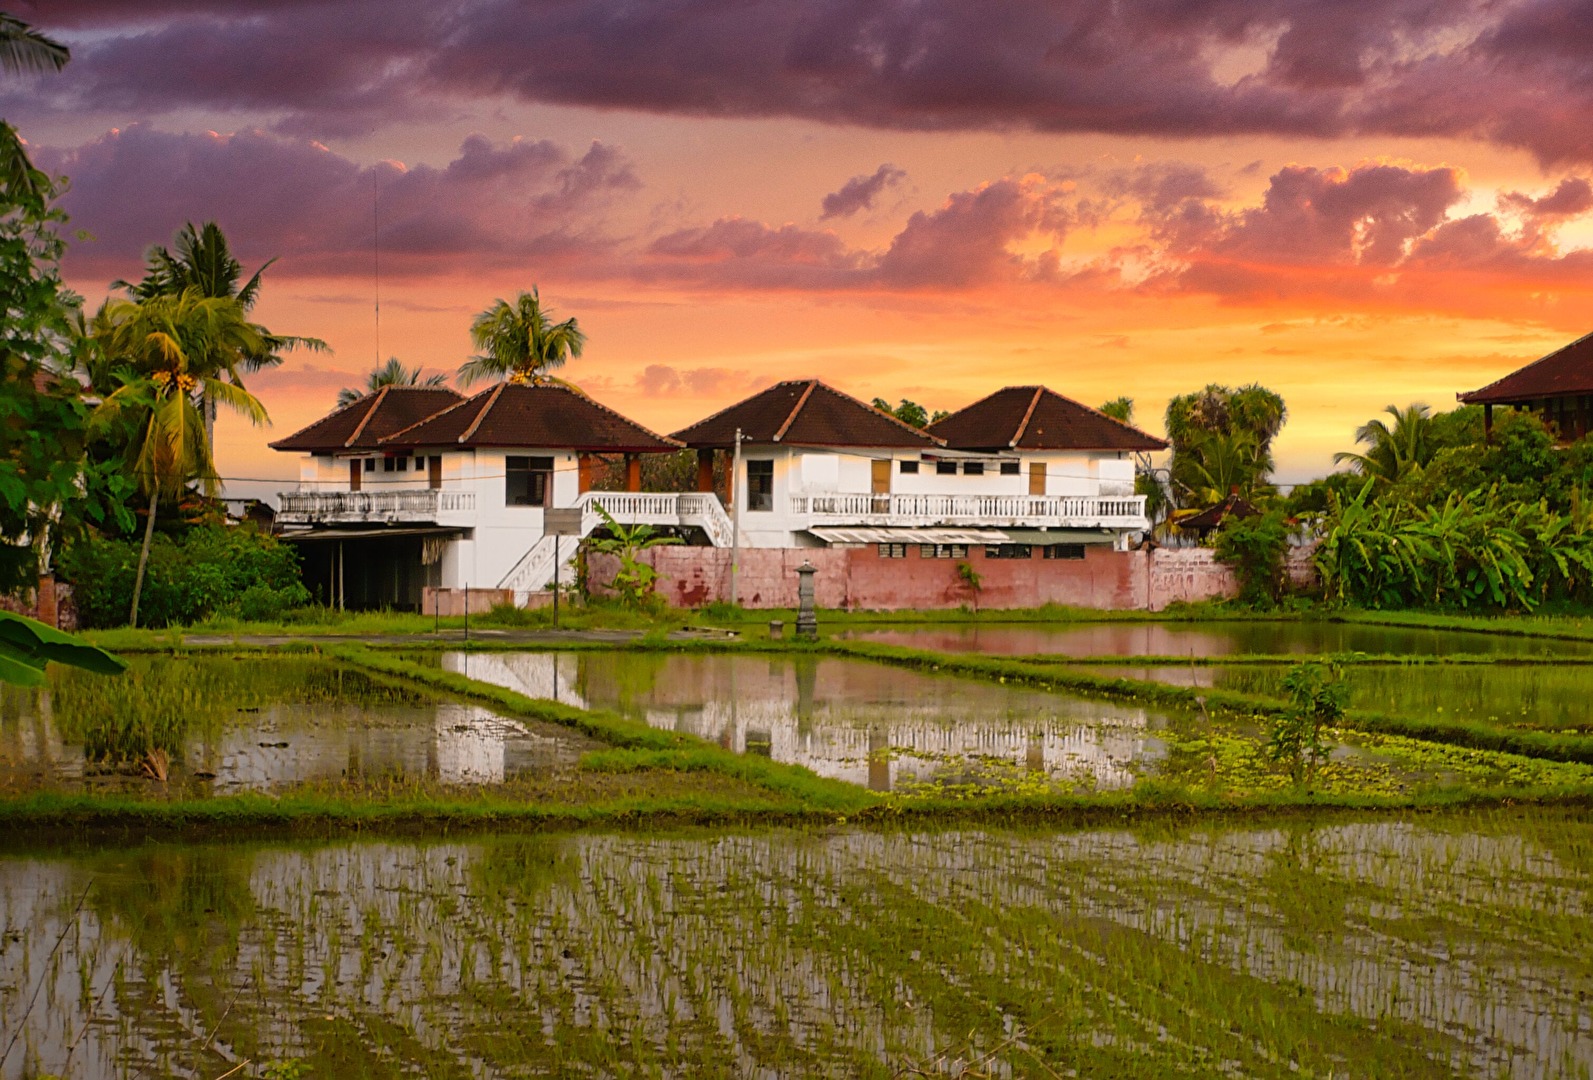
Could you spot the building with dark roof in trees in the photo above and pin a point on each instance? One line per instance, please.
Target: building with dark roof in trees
(1558, 387)
(414, 489)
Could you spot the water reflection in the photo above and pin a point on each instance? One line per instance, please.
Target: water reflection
(1440, 946)
(868, 724)
(263, 731)
(1536, 696)
(1212, 639)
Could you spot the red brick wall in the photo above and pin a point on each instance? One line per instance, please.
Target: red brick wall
(859, 578)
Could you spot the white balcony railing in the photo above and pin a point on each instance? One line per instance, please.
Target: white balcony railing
(1065, 511)
(420, 505)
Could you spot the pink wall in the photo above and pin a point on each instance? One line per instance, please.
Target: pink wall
(859, 578)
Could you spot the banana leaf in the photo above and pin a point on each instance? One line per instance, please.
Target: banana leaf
(26, 645)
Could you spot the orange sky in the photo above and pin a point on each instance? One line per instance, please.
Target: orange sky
(1381, 259)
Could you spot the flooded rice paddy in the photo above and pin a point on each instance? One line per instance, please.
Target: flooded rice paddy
(892, 729)
(1207, 639)
(1423, 946)
(223, 725)
(1538, 696)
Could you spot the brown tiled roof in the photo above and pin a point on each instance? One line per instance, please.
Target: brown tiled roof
(1035, 418)
(361, 424)
(804, 413)
(544, 416)
(1568, 370)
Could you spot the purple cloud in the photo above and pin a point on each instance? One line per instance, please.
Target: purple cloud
(495, 202)
(1510, 71)
(859, 192)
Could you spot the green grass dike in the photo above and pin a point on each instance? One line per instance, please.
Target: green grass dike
(643, 776)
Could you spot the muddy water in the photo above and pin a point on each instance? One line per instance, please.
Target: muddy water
(1440, 945)
(225, 725)
(1213, 639)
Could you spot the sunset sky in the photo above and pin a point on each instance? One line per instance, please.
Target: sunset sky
(1354, 203)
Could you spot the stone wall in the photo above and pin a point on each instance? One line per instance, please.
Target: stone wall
(859, 578)
(50, 603)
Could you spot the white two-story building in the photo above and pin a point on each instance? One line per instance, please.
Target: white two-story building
(413, 490)
(1025, 465)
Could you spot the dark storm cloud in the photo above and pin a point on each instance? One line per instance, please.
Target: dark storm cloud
(293, 198)
(860, 192)
(1511, 71)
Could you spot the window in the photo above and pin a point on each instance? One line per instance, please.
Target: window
(945, 468)
(1009, 468)
(760, 485)
(1065, 551)
(388, 464)
(401, 464)
(1008, 551)
(372, 464)
(527, 480)
(942, 551)
(973, 468)
(893, 551)
(910, 468)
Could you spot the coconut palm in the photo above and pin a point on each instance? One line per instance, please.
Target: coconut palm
(1205, 423)
(392, 373)
(200, 258)
(24, 51)
(519, 342)
(1219, 464)
(171, 353)
(1119, 408)
(1393, 451)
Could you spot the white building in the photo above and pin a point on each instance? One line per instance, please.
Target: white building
(411, 489)
(1024, 465)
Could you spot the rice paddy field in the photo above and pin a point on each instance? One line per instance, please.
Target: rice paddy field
(964, 851)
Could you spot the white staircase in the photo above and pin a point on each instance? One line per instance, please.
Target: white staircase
(534, 571)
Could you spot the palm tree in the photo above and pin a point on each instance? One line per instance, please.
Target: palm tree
(24, 51)
(392, 373)
(1119, 408)
(1393, 452)
(1221, 464)
(172, 353)
(519, 342)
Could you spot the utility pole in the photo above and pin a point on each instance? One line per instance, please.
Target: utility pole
(735, 518)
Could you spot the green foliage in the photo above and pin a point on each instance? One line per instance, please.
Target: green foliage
(392, 373)
(1120, 408)
(1222, 441)
(26, 646)
(633, 584)
(292, 1069)
(520, 342)
(1317, 698)
(1314, 498)
(910, 412)
(1256, 547)
(212, 569)
(1475, 550)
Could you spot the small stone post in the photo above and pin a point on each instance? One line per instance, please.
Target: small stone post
(807, 620)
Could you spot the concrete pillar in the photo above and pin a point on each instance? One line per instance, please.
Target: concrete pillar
(585, 470)
(633, 472)
(705, 470)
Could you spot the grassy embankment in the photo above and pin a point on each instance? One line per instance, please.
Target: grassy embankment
(750, 788)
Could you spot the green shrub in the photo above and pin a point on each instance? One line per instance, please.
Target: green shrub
(1317, 699)
(209, 570)
(1256, 547)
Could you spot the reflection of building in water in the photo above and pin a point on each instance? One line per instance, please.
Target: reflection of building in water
(868, 724)
(292, 743)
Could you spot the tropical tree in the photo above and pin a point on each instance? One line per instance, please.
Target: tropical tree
(392, 373)
(172, 353)
(201, 259)
(520, 342)
(1237, 424)
(1392, 451)
(910, 412)
(1120, 408)
(24, 51)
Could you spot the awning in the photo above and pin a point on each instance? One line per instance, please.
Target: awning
(1043, 537)
(910, 536)
(312, 535)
